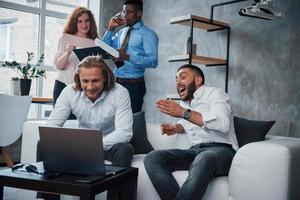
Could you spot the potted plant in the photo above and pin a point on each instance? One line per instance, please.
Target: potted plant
(27, 71)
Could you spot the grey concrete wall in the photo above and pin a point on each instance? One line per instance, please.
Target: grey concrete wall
(264, 60)
(109, 8)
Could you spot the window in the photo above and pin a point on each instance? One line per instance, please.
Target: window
(5, 27)
(53, 29)
(35, 26)
(20, 35)
(64, 5)
(33, 3)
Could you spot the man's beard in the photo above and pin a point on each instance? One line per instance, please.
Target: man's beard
(191, 88)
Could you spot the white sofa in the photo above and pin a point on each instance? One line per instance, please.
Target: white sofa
(267, 170)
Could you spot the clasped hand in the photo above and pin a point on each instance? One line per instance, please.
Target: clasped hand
(69, 48)
(122, 56)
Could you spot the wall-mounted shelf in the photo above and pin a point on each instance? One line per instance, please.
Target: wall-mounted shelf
(200, 22)
(198, 60)
(208, 25)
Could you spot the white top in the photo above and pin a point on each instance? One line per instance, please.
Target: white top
(111, 113)
(217, 116)
(66, 75)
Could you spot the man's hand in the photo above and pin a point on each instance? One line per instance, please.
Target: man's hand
(167, 129)
(170, 107)
(122, 56)
(114, 23)
(170, 129)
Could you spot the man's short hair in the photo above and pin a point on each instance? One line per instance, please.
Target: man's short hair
(195, 69)
(98, 62)
(137, 3)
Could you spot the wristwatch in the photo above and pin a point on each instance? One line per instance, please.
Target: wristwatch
(187, 114)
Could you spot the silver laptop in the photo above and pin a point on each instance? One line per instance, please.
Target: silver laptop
(75, 151)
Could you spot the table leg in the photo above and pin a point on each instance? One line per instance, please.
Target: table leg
(132, 187)
(87, 196)
(1, 192)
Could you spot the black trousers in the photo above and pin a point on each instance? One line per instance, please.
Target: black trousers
(137, 92)
(119, 154)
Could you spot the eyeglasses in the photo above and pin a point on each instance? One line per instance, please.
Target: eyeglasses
(128, 12)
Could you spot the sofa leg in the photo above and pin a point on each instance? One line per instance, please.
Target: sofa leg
(6, 157)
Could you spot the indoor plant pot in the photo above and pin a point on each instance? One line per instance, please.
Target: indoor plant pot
(27, 71)
(25, 86)
(15, 86)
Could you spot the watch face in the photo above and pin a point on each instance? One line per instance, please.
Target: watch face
(187, 114)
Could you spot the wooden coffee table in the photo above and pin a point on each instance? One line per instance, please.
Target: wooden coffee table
(67, 184)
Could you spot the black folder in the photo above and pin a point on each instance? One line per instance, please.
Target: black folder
(91, 51)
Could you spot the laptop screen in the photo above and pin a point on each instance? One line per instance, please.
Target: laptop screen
(72, 150)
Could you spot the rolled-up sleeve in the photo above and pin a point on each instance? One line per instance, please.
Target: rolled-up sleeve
(150, 59)
(219, 114)
(111, 39)
(59, 52)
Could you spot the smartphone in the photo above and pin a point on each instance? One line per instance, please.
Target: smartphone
(89, 179)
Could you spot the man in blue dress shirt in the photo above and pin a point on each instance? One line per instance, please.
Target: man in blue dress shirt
(138, 50)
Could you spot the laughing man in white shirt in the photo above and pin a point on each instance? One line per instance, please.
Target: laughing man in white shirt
(207, 121)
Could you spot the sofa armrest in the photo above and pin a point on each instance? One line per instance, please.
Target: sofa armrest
(30, 138)
(266, 170)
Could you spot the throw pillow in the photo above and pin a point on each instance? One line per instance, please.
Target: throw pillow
(250, 130)
(139, 139)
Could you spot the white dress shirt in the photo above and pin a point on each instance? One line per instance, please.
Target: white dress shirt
(111, 113)
(217, 116)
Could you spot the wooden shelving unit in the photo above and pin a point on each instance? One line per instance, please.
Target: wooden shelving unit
(42, 100)
(209, 61)
(209, 26)
(200, 22)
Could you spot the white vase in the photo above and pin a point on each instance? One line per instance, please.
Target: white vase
(15, 87)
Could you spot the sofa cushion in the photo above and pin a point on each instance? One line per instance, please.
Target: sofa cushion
(139, 139)
(250, 130)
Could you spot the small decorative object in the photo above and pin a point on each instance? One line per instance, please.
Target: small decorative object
(27, 71)
(15, 86)
(188, 47)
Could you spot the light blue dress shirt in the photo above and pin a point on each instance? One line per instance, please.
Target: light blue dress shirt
(111, 113)
(142, 49)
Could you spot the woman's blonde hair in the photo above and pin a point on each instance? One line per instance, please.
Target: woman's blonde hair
(98, 62)
(71, 25)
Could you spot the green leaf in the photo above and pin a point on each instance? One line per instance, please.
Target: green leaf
(28, 70)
